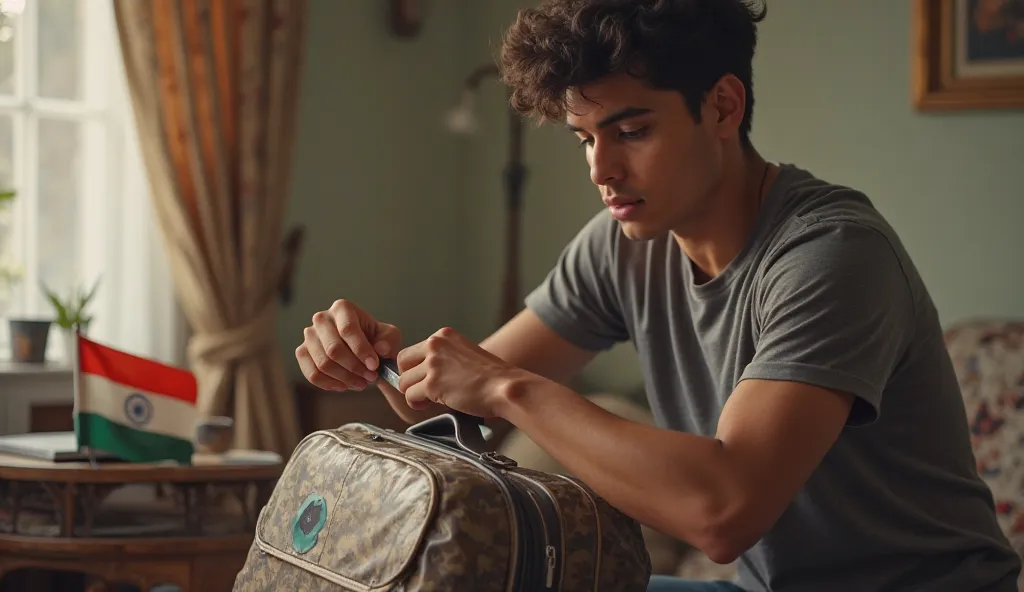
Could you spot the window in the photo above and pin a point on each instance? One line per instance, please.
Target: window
(67, 146)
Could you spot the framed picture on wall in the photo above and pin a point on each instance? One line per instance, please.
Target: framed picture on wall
(968, 54)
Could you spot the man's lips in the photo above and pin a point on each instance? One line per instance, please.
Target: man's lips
(619, 201)
(624, 209)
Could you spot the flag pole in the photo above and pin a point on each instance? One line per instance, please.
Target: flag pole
(75, 369)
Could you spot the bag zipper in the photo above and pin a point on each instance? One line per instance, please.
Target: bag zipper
(534, 555)
(551, 519)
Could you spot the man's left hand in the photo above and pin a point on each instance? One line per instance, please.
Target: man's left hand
(449, 369)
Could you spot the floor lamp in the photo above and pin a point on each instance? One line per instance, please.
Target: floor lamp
(462, 119)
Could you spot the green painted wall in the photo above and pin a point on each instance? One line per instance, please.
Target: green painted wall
(376, 175)
(833, 99)
(951, 184)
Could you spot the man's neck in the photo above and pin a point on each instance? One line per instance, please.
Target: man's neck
(724, 229)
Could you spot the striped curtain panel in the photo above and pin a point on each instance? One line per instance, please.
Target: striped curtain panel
(214, 87)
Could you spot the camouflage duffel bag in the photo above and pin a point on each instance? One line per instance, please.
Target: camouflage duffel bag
(361, 508)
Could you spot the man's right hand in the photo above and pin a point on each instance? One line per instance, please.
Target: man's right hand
(339, 351)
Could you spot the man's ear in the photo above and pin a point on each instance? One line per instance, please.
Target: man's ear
(728, 98)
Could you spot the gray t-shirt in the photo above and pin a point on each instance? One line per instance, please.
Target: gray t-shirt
(822, 293)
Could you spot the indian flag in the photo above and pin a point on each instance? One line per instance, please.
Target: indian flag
(132, 407)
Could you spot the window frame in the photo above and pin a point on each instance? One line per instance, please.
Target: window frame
(100, 115)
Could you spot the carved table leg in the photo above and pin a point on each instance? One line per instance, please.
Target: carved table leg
(7, 565)
(67, 528)
(98, 586)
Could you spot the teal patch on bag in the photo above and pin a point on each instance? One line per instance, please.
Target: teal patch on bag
(309, 522)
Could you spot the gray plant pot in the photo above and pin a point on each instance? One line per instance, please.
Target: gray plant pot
(28, 340)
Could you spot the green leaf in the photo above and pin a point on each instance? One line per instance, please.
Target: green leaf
(62, 311)
(72, 311)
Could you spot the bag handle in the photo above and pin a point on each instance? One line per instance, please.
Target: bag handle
(455, 429)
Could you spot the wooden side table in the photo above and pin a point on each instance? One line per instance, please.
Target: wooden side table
(138, 524)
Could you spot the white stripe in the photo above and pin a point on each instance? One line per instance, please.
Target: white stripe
(161, 414)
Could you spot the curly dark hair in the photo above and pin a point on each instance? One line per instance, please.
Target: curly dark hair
(682, 45)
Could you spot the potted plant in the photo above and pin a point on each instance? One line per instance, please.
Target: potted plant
(72, 313)
(29, 337)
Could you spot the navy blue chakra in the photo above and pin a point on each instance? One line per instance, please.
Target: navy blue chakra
(138, 409)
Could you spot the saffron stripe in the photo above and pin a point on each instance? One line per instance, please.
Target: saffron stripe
(135, 372)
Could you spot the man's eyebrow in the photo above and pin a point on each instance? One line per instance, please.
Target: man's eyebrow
(619, 115)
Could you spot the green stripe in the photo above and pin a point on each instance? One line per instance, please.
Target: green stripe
(132, 445)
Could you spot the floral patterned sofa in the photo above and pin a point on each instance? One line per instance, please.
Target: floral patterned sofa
(988, 356)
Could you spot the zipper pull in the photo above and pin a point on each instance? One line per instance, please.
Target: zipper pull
(498, 459)
(549, 552)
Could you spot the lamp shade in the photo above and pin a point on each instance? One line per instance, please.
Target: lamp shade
(462, 118)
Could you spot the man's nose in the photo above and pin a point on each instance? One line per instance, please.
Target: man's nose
(606, 164)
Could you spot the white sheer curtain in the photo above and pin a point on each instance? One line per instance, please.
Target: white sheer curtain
(135, 309)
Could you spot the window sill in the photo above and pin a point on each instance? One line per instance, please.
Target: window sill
(18, 369)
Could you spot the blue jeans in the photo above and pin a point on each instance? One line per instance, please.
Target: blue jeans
(660, 583)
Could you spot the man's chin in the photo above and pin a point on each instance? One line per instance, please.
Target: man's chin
(638, 231)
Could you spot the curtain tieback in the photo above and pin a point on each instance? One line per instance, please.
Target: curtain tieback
(237, 343)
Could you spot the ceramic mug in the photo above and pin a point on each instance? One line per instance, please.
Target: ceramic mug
(215, 434)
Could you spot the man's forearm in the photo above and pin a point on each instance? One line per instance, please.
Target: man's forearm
(680, 484)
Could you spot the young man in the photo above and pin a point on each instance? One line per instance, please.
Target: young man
(810, 421)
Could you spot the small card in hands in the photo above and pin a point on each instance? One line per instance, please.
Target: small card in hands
(388, 370)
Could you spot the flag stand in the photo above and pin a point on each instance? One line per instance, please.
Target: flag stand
(76, 379)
